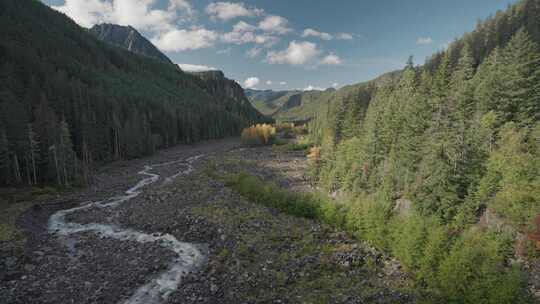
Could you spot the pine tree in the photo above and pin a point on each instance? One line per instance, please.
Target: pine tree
(522, 70)
(5, 164)
(32, 154)
(65, 155)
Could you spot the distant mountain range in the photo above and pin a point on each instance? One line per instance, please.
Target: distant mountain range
(300, 106)
(128, 38)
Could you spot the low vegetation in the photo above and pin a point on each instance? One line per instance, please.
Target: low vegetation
(459, 268)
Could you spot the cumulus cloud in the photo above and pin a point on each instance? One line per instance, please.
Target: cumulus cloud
(229, 10)
(301, 53)
(269, 82)
(184, 5)
(141, 14)
(275, 24)
(253, 52)
(313, 88)
(242, 26)
(335, 85)
(243, 33)
(251, 82)
(344, 36)
(181, 40)
(331, 59)
(309, 32)
(314, 33)
(195, 67)
(282, 83)
(248, 37)
(424, 41)
(297, 53)
(87, 12)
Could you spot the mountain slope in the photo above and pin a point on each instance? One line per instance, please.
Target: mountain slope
(440, 165)
(214, 82)
(128, 38)
(301, 106)
(69, 99)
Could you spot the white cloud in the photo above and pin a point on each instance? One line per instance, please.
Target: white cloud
(86, 12)
(251, 82)
(344, 36)
(424, 41)
(283, 83)
(331, 59)
(253, 52)
(140, 14)
(248, 37)
(313, 88)
(335, 85)
(226, 51)
(269, 82)
(296, 54)
(181, 40)
(314, 33)
(195, 67)
(184, 5)
(275, 24)
(242, 26)
(229, 10)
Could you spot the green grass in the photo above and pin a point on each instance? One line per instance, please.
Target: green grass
(15, 202)
(307, 205)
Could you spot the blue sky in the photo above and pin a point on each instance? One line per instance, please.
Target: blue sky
(291, 44)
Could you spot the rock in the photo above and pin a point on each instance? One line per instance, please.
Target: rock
(213, 288)
(10, 262)
(29, 267)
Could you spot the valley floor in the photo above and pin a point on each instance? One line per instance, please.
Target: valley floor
(251, 253)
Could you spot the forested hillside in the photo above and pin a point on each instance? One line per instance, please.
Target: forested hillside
(289, 106)
(68, 100)
(420, 159)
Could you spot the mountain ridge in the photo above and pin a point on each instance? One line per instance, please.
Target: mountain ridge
(128, 38)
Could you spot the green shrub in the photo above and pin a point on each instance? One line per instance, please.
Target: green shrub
(475, 271)
(305, 205)
(466, 268)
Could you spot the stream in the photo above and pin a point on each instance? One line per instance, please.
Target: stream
(188, 257)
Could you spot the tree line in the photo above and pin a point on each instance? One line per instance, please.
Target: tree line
(69, 101)
(454, 137)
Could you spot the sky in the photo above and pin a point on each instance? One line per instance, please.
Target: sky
(291, 44)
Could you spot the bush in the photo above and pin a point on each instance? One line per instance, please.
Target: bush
(467, 268)
(259, 135)
(475, 271)
(307, 205)
(284, 127)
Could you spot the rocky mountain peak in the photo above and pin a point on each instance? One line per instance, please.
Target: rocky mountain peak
(128, 38)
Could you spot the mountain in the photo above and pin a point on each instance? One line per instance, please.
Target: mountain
(268, 101)
(128, 38)
(301, 106)
(222, 87)
(286, 106)
(69, 100)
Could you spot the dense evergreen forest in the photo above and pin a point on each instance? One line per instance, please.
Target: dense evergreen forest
(68, 100)
(419, 160)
